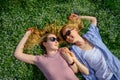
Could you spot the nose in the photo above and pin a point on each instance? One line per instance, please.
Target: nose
(67, 37)
(56, 41)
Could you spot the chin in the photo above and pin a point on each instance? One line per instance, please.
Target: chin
(56, 48)
(72, 42)
(69, 42)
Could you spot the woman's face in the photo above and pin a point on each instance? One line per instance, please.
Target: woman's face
(70, 35)
(52, 42)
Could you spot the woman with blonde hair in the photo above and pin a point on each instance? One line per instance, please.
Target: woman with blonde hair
(51, 63)
(90, 50)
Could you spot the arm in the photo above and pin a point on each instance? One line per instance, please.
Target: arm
(82, 68)
(90, 18)
(69, 60)
(19, 50)
(72, 64)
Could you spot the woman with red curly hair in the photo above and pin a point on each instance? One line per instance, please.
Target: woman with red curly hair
(55, 63)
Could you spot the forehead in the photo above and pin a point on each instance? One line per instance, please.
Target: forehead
(51, 35)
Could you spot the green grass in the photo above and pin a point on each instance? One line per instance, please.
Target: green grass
(18, 15)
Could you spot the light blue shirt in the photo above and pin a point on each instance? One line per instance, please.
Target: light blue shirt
(97, 62)
(94, 37)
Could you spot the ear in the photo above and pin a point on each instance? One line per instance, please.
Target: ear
(44, 44)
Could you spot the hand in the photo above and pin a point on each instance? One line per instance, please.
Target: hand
(66, 50)
(66, 54)
(67, 57)
(73, 17)
(30, 29)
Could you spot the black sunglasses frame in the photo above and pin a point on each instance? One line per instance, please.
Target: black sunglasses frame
(67, 34)
(53, 39)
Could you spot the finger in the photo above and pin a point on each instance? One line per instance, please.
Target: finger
(70, 54)
(71, 16)
(61, 49)
(30, 29)
(64, 55)
(67, 49)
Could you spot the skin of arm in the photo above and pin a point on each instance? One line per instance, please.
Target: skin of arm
(81, 67)
(19, 50)
(68, 59)
(77, 66)
(90, 18)
(74, 68)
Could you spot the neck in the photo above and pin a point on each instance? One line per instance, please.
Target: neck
(84, 44)
(80, 42)
(51, 52)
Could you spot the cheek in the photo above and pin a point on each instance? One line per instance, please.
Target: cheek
(63, 32)
(74, 34)
(53, 44)
(68, 41)
(49, 43)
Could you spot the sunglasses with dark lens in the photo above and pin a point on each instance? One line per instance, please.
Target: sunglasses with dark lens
(67, 33)
(53, 39)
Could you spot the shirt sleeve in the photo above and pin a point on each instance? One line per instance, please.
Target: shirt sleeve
(94, 31)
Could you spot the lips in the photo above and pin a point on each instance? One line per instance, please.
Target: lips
(56, 45)
(70, 38)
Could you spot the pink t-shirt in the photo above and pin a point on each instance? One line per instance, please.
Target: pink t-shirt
(55, 67)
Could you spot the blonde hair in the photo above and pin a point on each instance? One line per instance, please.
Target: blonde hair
(39, 35)
(72, 24)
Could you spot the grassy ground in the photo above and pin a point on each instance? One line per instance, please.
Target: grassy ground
(18, 15)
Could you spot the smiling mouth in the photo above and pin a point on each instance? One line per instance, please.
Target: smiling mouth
(56, 44)
(71, 38)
